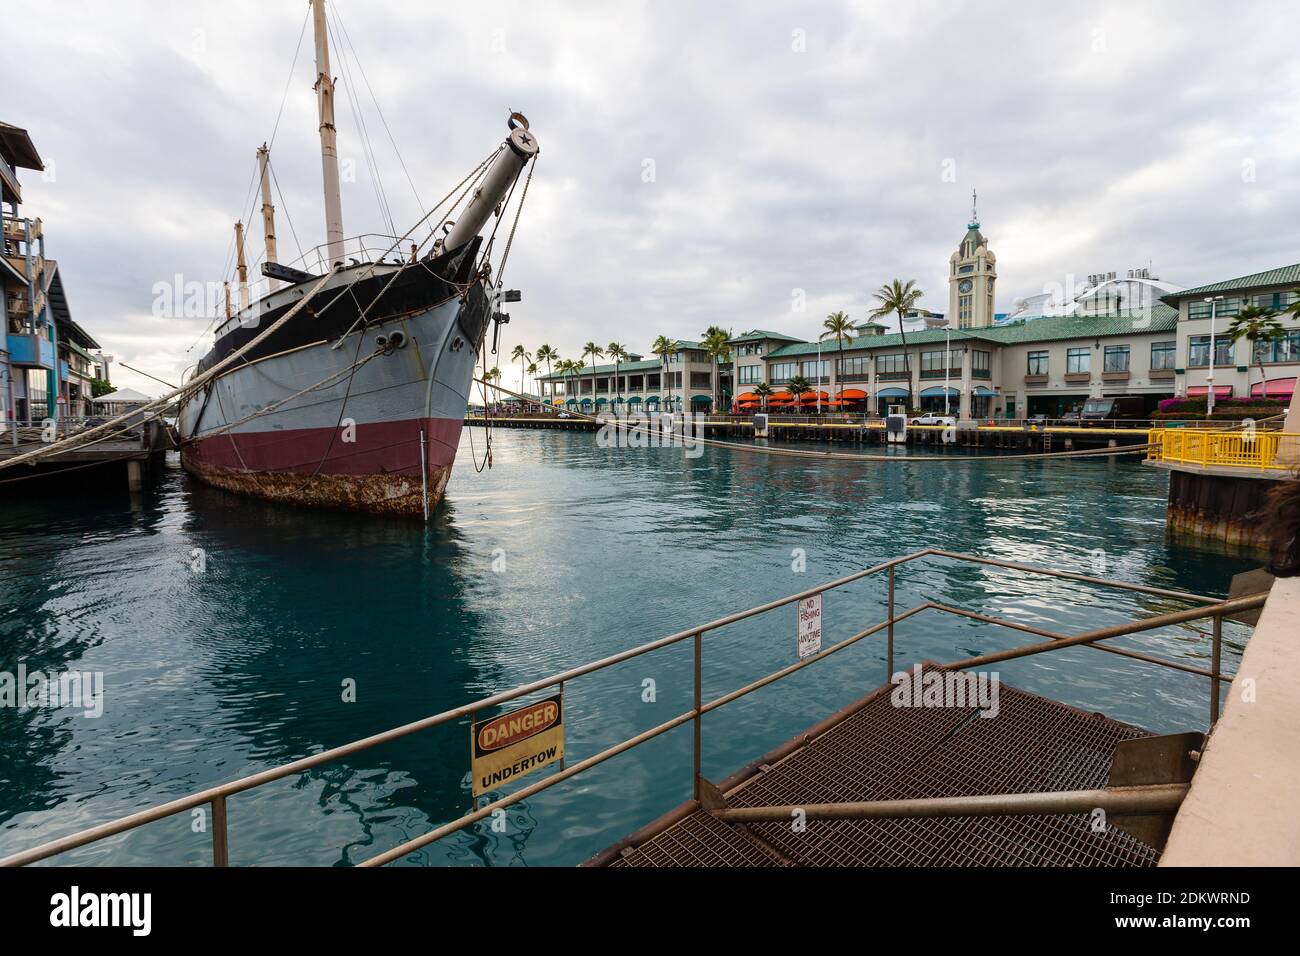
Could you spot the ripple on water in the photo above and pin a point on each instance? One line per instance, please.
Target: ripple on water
(562, 553)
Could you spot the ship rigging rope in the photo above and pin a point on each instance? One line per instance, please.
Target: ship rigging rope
(154, 407)
(474, 175)
(845, 456)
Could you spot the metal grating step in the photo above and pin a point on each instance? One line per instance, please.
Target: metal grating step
(883, 752)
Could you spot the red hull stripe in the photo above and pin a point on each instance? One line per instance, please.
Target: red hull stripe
(380, 448)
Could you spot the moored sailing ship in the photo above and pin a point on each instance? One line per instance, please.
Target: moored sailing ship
(357, 395)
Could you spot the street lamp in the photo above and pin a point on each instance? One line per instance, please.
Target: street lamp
(947, 361)
(1209, 379)
(819, 373)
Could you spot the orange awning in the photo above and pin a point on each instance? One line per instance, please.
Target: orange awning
(748, 397)
(853, 395)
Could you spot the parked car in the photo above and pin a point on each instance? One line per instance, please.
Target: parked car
(931, 418)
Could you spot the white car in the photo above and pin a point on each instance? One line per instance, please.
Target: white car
(930, 418)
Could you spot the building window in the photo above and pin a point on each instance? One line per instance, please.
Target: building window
(750, 374)
(981, 364)
(1037, 364)
(891, 365)
(854, 369)
(1116, 359)
(701, 380)
(933, 363)
(1198, 351)
(1163, 355)
(781, 372)
(1285, 349)
(1078, 361)
(1230, 306)
(817, 372)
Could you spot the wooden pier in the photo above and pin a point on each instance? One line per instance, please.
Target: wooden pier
(869, 432)
(124, 462)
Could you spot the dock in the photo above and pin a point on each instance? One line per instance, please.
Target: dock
(875, 751)
(870, 431)
(123, 461)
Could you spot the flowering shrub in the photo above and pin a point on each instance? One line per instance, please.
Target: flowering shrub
(1197, 406)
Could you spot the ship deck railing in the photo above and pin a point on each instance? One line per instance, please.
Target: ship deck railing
(1202, 608)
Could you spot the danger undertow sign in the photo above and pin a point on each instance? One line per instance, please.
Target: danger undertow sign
(518, 743)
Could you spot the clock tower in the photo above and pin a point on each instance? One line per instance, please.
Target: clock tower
(972, 275)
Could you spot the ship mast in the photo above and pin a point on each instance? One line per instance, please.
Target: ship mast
(329, 156)
(268, 213)
(242, 265)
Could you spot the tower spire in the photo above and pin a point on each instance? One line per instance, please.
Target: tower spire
(974, 214)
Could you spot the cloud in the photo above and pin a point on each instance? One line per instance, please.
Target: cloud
(794, 146)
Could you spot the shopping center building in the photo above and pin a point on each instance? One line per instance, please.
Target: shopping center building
(1106, 346)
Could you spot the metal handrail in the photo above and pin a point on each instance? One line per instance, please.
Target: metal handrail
(217, 796)
(1255, 450)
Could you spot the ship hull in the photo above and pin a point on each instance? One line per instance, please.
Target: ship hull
(380, 437)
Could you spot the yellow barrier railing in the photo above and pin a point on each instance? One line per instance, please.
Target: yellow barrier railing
(1242, 448)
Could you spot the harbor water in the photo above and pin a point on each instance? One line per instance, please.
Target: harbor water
(235, 635)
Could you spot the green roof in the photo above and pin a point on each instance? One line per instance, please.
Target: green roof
(1161, 319)
(890, 340)
(759, 335)
(1286, 275)
(602, 369)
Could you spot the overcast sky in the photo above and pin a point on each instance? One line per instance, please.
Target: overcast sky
(700, 162)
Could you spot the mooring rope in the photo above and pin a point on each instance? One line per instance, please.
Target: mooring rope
(846, 456)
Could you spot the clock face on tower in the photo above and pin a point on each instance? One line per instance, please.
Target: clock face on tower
(965, 285)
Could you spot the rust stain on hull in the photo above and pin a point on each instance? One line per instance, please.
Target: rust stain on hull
(378, 494)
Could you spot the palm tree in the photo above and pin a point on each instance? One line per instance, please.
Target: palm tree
(838, 325)
(562, 366)
(595, 351)
(533, 369)
(618, 353)
(715, 344)
(899, 297)
(762, 390)
(797, 386)
(664, 347)
(548, 355)
(520, 355)
(1257, 326)
(493, 375)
